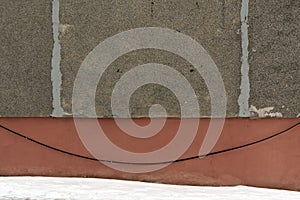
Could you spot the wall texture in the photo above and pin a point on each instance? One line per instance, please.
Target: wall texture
(274, 55)
(273, 163)
(25, 58)
(254, 44)
(247, 49)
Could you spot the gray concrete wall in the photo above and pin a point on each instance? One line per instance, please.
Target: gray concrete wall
(274, 55)
(25, 58)
(254, 45)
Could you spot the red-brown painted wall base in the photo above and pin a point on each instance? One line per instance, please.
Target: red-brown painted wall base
(274, 163)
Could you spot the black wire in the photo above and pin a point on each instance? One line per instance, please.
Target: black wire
(151, 163)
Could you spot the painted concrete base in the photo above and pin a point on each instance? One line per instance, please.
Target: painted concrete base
(272, 164)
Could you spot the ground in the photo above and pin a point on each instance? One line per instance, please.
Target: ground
(90, 188)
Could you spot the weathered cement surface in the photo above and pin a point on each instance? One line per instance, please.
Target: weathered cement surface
(274, 55)
(25, 58)
(214, 24)
(27, 44)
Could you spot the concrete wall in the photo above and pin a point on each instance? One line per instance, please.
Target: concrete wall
(250, 47)
(255, 46)
(25, 58)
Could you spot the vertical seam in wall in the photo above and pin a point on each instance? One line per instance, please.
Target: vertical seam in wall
(56, 76)
(243, 100)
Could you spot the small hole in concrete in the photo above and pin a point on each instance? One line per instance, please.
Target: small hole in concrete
(191, 70)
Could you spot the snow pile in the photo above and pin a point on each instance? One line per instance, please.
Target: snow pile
(90, 188)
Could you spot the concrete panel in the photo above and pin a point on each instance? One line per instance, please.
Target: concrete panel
(214, 24)
(274, 57)
(25, 58)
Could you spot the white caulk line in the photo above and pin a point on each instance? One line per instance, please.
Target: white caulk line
(243, 100)
(56, 76)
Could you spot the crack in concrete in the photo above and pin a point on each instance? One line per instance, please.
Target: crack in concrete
(56, 76)
(243, 100)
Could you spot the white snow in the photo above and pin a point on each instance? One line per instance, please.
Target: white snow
(91, 188)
